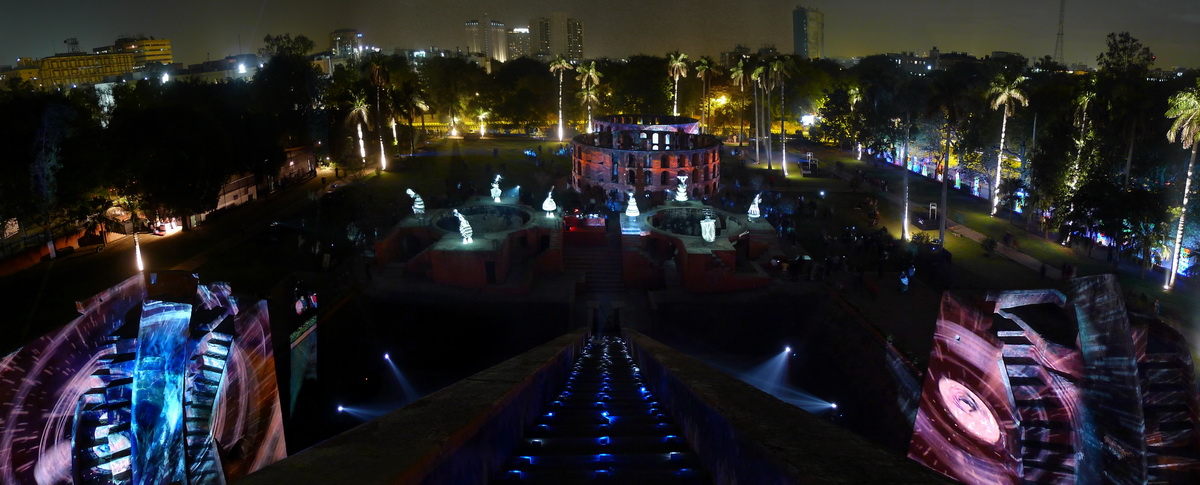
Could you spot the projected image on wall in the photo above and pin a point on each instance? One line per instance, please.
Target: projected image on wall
(160, 380)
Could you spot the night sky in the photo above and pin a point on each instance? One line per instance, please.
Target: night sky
(614, 28)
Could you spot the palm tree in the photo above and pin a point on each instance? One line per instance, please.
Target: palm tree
(590, 77)
(781, 68)
(756, 76)
(703, 67)
(1184, 108)
(379, 77)
(358, 116)
(949, 100)
(557, 67)
(1005, 93)
(1082, 102)
(676, 68)
(737, 74)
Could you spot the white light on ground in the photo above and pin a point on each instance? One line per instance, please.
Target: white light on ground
(137, 252)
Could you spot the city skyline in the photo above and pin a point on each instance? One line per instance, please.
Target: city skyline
(702, 27)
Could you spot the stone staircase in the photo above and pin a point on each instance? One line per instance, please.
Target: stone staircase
(604, 427)
(1047, 453)
(601, 266)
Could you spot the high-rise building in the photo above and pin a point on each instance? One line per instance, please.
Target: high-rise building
(808, 32)
(540, 39)
(487, 38)
(558, 35)
(519, 43)
(345, 42)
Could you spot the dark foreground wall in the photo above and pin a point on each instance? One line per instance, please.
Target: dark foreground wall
(460, 434)
(746, 436)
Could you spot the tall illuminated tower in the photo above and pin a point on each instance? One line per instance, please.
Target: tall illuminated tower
(808, 32)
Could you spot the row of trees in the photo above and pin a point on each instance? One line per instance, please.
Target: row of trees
(160, 149)
(1087, 148)
(1095, 152)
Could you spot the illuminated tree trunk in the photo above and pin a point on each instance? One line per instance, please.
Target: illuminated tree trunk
(767, 120)
(999, 163)
(560, 110)
(904, 163)
(1178, 250)
(945, 181)
(675, 108)
(742, 116)
(757, 127)
(782, 131)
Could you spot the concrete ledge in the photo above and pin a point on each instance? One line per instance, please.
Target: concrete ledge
(746, 436)
(460, 434)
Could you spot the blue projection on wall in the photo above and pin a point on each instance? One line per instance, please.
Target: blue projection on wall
(158, 391)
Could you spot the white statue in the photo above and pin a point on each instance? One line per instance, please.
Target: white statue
(754, 213)
(708, 227)
(464, 227)
(548, 205)
(418, 203)
(632, 209)
(681, 189)
(496, 189)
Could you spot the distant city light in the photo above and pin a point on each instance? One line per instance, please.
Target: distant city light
(166, 77)
(808, 120)
(241, 68)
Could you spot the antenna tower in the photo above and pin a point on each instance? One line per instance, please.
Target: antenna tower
(1058, 44)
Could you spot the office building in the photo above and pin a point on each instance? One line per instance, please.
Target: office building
(345, 43)
(519, 43)
(486, 38)
(76, 68)
(808, 32)
(558, 35)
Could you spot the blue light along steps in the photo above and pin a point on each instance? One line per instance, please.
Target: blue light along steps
(604, 427)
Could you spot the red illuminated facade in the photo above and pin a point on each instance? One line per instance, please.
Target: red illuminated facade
(624, 155)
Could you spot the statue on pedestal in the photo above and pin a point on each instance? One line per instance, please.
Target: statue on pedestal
(754, 212)
(418, 206)
(464, 227)
(632, 209)
(496, 189)
(681, 189)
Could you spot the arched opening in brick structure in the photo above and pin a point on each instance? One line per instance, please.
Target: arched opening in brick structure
(663, 162)
(664, 178)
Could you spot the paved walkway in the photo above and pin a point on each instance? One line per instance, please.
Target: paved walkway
(964, 231)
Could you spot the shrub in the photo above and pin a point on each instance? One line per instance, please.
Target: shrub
(989, 245)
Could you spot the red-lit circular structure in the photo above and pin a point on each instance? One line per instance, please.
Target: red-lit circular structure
(645, 153)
